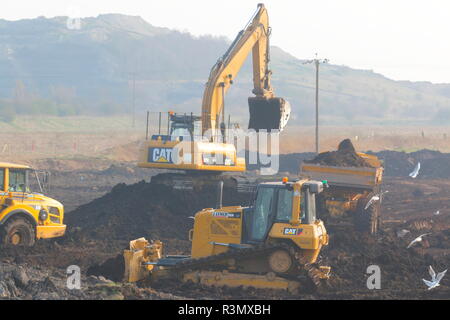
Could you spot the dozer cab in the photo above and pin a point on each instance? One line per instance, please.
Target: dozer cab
(275, 243)
(25, 213)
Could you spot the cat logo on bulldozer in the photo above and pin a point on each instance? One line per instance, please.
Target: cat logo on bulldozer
(292, 231)
(163, 155)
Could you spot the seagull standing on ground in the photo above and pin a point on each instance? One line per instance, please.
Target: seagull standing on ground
(434, 279)
(415, 171)
(418, 239)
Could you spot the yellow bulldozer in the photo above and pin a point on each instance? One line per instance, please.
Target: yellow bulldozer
(273, 244)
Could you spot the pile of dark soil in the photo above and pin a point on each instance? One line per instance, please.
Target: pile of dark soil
(433, 164)
(345, 156)
(113, 268)
(402, 269)
(144, 210)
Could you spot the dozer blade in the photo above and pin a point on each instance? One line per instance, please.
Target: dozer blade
(268, 114)
(133, 266)
(139, 257)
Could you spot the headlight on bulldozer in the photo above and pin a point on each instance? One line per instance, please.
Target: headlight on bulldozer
(43, 215)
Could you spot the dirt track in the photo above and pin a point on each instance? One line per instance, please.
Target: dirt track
(101, 228)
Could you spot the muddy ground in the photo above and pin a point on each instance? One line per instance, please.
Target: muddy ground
(108, 207)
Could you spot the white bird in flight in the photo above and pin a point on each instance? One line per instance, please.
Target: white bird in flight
(416, 170)
(434, 279)
(374, 198)
(418, 239)
(436, 213)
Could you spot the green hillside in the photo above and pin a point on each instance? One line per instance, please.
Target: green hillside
(47, 68)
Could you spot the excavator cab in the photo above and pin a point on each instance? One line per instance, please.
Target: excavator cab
(268, 113)
(184, 127)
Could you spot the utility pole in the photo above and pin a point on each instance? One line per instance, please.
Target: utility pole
(134, 99)
(317, 62)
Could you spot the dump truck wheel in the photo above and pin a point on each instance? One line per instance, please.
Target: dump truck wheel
(367, 220)
(18, 232)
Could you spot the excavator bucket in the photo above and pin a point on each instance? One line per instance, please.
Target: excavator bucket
(268, 114)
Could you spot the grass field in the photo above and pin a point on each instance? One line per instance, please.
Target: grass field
(114, 138)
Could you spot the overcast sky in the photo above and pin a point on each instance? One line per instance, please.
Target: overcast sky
(404, 40)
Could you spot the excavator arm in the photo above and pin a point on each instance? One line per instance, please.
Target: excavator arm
(266, 111)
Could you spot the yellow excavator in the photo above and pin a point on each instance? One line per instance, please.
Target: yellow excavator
(198, 143)
(273, 244)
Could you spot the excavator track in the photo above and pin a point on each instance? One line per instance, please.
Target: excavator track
(305, 276)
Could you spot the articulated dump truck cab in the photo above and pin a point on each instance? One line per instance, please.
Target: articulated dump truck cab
(350, 189)
(26, 215)
(273, 244)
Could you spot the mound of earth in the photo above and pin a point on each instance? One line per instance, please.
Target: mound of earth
(433, 164)
(402, 269)
(30, 282)
(144, 209)
(345, 156)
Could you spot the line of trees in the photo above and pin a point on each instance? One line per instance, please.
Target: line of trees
(62, 101)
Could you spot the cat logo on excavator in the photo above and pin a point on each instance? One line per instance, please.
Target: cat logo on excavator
(161, 155)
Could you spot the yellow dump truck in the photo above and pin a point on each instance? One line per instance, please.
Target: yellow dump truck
(353, 192)
(26, 214)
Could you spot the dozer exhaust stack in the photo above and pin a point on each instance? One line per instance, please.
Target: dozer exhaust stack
(268, 113)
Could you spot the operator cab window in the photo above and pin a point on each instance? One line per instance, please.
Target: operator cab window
(310, 206)
(2, 179)
(17, 180)
(303, 206)
(284, 210)
(181, 133)
(263, 208)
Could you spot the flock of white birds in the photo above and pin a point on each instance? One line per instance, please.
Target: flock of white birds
(435, 279)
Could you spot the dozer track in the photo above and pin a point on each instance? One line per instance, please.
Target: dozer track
(217, 270)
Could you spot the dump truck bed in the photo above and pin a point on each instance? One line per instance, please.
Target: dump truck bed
(357, 177)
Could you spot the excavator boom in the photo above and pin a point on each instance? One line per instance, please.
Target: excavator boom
(266, 111)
